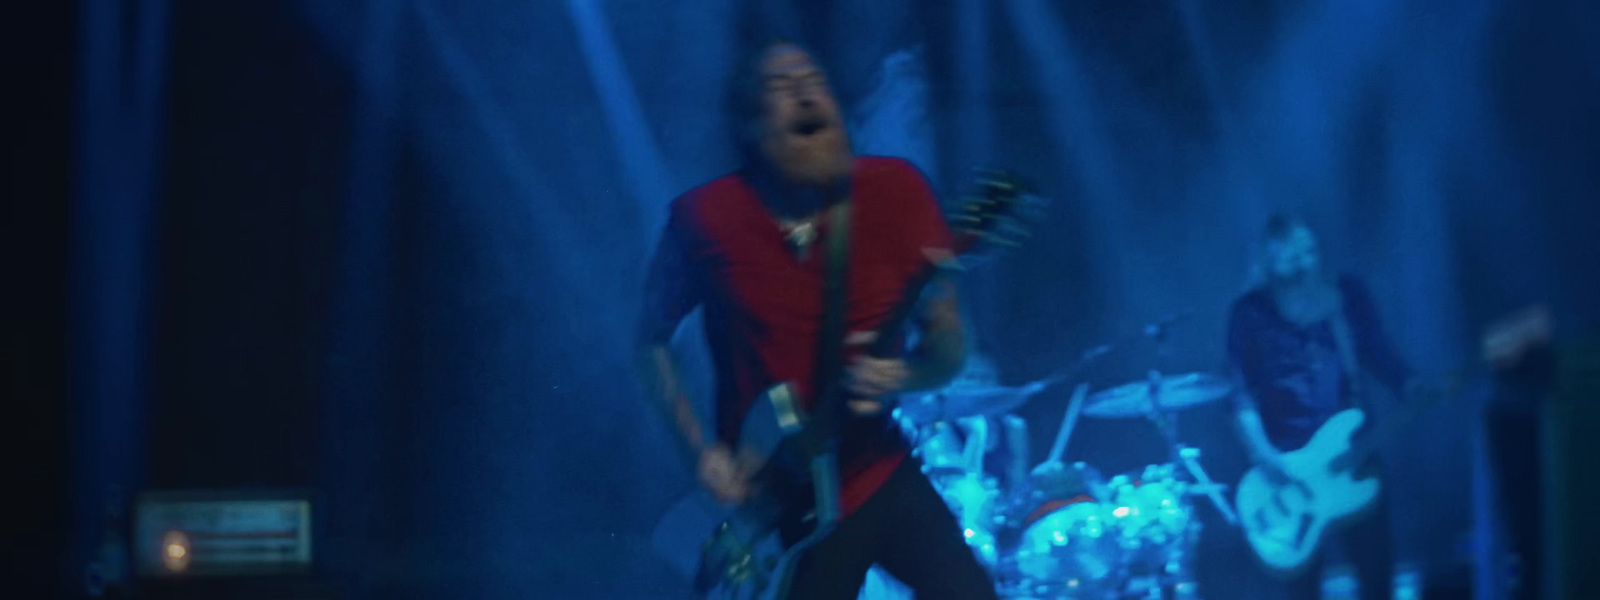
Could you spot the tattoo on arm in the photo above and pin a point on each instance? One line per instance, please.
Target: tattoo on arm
(662, 374)
(671, 293)
(938, 357)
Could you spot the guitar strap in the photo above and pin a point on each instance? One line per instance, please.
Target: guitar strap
(830, 406)
(819, 442)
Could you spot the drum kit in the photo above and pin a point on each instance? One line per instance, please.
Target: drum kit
(1059, 531)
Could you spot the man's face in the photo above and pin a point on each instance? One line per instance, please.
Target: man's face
(1295, 258)
(802, 133)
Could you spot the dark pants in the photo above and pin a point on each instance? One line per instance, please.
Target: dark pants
(1515, 436)
(1364, 544)
(907, 529)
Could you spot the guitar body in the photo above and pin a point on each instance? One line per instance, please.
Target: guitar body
(696, 521)
(741, 556)
(1285, 522)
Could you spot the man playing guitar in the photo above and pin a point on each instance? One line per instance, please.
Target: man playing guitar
(1297, 343)
(741, 248)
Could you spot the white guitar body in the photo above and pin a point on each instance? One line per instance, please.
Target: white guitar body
(1284, 523)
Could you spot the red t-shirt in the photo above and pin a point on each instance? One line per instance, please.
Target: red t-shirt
(723, 251)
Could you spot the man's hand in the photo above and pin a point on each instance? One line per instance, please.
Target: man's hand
(727, 479)
(867, 378)
(872, 377)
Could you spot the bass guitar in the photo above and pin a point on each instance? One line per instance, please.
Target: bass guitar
(743, 557)
(1285, 521)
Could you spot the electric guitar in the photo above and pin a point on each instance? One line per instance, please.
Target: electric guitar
(743, 558)
(1285, 521)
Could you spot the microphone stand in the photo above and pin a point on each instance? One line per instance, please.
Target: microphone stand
(1166, 424)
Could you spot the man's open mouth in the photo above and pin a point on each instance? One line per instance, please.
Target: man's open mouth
(809, 127)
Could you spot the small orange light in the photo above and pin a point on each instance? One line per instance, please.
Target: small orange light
(176, 557)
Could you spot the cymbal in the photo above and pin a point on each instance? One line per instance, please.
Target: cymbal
(1176, 392)
(970, 401)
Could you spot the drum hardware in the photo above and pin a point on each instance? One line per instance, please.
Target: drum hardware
(1063, 531)
(1068, 422)
(1016, 436)
(986, 400)
(970, 401)
(1191, 461)
(1161, 394)
(1198, 386)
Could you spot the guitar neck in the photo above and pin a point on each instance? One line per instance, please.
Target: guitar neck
(1392, 426)
(1504, 341)
(1368, 445)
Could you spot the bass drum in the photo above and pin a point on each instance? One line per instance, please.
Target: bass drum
(1071, 550)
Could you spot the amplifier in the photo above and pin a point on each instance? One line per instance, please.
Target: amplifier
(192, 533)
(1572, 419)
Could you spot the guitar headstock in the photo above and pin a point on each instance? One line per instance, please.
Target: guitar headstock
(995, 214)
(1506, 340)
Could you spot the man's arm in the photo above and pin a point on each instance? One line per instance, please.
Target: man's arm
(1251, 431)
(670, 294)
(726, 476)
(672, 290)
(1242, 354)
(660, 373)
(942, 349)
